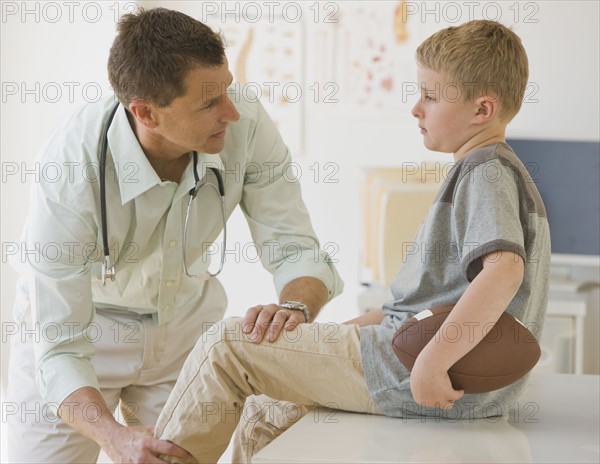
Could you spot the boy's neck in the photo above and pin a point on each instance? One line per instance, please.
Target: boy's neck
(483, 138)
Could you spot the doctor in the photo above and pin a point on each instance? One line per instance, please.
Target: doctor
(110, 333)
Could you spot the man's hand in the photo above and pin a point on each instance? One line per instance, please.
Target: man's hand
(121, 443)
(431, 386)
(138, 445)
(269, 320)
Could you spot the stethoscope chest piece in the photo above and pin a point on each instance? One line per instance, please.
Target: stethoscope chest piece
(108, 271)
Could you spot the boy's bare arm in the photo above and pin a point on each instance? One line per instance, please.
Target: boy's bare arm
(373, 317)
(480, 306)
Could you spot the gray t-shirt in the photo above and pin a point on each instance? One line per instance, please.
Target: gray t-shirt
(488, 203)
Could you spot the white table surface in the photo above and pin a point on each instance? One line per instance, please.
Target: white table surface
(557, 420)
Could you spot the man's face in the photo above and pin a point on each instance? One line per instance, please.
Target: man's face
(197, 120)
(444, 114)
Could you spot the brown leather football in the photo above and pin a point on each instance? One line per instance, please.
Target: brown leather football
(506, 353)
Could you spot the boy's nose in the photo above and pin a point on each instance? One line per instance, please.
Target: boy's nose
(416, 110)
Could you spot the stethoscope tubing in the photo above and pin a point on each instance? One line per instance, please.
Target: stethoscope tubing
(108, 269)
(192, 194)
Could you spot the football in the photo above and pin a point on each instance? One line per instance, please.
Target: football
(506, 353)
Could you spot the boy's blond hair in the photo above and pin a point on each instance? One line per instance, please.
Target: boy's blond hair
(481, 57)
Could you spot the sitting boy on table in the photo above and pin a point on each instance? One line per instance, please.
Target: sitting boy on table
(488, 212)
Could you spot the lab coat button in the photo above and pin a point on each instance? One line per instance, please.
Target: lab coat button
(169, 283)
(173, 243)
(167, 308)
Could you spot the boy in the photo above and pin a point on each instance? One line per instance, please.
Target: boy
(487, 213)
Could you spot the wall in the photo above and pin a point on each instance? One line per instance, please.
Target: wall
(53, 59)
(562, 60)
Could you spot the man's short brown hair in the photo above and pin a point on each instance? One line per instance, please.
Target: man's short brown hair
(481, 57)
(153, 52)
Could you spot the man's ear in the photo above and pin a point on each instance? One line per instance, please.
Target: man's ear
(143, 112)
(487, 108)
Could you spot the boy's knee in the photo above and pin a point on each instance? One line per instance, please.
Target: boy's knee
(232, 329)
(227, 330)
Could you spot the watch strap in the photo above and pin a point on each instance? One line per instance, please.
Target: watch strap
(297, 306)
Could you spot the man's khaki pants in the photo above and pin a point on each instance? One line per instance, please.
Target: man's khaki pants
(315, 364)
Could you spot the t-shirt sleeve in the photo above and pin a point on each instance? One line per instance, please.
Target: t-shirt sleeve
(486, 215)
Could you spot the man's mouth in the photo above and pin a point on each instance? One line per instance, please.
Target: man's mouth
(220, 134)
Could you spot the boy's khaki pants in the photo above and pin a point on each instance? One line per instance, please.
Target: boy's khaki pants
(263, 420)
(149, 359)
(315, 364)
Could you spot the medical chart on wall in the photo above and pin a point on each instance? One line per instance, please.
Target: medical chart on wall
(368, 54)
(344, 59)
(266, 59)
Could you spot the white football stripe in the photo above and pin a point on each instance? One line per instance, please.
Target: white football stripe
(423, 314)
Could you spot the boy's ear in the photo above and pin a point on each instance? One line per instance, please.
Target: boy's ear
(487, 108)
(142, 110)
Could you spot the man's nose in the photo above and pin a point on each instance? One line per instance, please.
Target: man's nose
(230, 112)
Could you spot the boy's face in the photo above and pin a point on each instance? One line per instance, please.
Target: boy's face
(445, 116)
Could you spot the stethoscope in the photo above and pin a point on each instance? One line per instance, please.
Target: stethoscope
(108, 268)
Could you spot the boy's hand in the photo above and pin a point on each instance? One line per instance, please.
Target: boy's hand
(431, 386)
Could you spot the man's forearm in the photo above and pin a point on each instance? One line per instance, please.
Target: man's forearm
(309, 290)
(86, 411)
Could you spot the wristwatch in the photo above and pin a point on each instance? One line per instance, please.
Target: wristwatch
(297, 306)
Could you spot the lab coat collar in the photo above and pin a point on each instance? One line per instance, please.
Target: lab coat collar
(205, 162)
(135, 173)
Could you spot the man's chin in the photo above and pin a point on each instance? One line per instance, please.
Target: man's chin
(212, 149)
